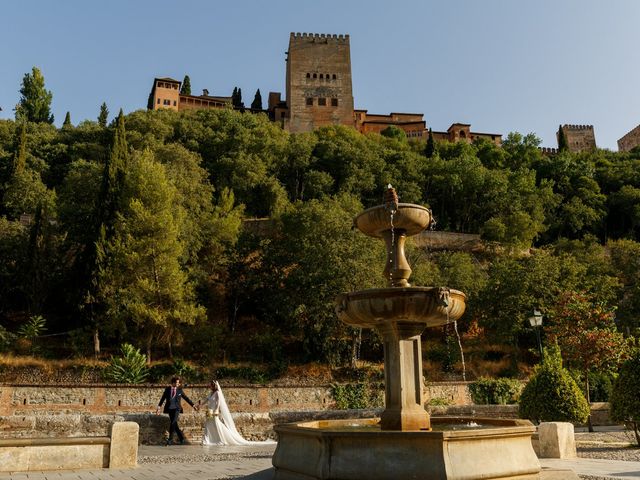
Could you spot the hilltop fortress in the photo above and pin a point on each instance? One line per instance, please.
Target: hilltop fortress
(319, 92)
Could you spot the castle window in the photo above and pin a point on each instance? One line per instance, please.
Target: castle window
(167, 102)
(334, 102)
(309, 101)
(326, 76)
(281, 114)
(158, 101)
(321, 76)
(174, 103)
(308, 75)
(322, 101)
(334, 76)
(315, 75)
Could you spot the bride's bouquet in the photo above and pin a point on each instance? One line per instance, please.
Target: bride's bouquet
(211, 413)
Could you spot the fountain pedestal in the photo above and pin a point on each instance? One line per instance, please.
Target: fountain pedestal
(403, 377)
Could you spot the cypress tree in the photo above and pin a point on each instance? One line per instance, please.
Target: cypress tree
(563, 146)
(35, 102)
(67, 120)
(113, 177)
(234, 97)
(430, 149)
(257, 101)
(240, 104)
(104, 115)
(186, 86)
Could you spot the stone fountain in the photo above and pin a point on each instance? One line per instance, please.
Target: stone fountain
(403, 443)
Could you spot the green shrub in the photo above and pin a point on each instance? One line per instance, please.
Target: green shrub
(625, 395)
(600, 384)
(29, 332)
(253, 374)
(495, 391)
(553, 395)
(161, 372)
(6, 338)
(357, 395)
(131, 367)
(439, 402)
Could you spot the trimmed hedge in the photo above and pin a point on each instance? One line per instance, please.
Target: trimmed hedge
(625, 395)
(495, 391)
(552, 395)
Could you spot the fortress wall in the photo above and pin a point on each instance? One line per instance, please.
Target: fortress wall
(630, 140)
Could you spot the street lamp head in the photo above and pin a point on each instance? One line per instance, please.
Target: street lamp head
(536, 319)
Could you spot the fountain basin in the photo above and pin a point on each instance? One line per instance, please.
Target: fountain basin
(355, 450)
(408, 219)
(429, 306)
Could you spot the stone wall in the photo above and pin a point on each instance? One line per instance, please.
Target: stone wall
(630, 140)
(26, 399)
(103, 399)
(435, 240)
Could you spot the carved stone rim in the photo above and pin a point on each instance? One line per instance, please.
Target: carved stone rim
(410, 229)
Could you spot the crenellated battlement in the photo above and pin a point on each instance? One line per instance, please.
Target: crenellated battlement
(297, 37)
(577, 127)
(548, 150)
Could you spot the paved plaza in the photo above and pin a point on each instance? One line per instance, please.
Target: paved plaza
(254, 463)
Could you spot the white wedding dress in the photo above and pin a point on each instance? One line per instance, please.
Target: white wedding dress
(219, 428)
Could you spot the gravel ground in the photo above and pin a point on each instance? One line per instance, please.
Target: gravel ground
(613, 445)
(200, 457)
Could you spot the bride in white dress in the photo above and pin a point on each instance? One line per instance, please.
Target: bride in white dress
(219, 427)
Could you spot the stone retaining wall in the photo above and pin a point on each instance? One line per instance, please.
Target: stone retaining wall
(26, 399)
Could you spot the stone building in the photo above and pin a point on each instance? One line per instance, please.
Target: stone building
(319, 92)
(630, 140)
(318, 82)
(412, 123)
(165, 93)
(580, 138)
(462, 132)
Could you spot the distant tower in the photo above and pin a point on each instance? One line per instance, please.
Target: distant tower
(165, 93)
(580, 138)
(319, 88)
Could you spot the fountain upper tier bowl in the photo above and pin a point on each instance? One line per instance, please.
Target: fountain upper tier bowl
(429, 306)
(407, 218)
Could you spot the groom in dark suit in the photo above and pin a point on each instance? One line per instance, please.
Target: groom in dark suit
(171, 398)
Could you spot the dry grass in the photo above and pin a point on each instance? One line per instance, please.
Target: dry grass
(46, 365)
(311, 371)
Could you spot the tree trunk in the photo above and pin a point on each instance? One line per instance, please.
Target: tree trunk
(588, 397)
(170, 349)
(355, 348)
(149, 339)
(96, 342)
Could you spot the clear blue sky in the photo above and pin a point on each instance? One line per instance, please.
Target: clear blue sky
(501, 65)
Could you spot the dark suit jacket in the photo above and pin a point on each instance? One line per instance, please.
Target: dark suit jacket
(166, 399)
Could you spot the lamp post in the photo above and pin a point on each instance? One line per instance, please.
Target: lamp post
(536, 322)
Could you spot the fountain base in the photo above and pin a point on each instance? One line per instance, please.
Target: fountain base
(359, 449)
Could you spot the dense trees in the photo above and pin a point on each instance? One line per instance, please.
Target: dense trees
(134, 231)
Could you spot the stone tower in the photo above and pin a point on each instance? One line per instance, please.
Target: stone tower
(318, 80)
(165, 93)
(580, 138)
